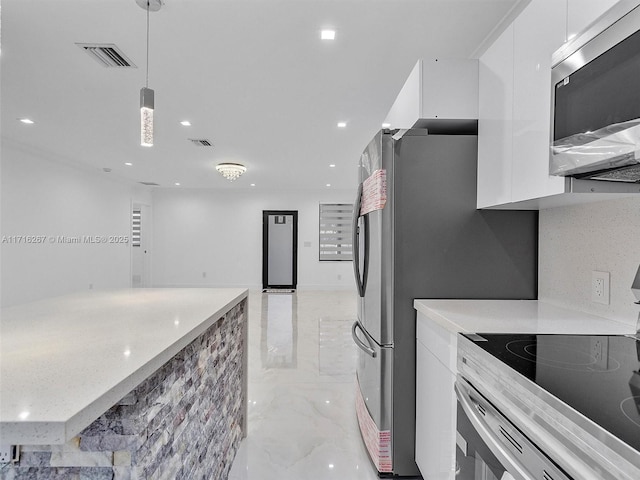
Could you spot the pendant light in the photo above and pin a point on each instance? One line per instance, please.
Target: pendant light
(147, 94)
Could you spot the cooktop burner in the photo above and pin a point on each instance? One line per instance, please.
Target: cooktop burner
(630, 407)
(597, 375)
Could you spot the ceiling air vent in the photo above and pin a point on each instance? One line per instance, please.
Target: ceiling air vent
(107, 54)
(150, 184)
(201, 142)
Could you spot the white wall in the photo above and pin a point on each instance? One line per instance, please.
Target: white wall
(576, 240)
(195, 231)
(41, 197)
(220, 234)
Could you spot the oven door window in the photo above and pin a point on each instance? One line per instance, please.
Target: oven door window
(474, 460)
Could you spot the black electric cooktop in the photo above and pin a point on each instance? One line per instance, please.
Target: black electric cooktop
(597, 375)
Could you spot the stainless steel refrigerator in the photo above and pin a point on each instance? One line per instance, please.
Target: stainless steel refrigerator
(418, 234)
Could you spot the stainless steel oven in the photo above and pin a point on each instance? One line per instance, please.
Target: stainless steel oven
(548, 407)
(490, 447)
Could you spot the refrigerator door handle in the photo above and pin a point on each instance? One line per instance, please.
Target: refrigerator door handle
(367, 348)
(361, 277)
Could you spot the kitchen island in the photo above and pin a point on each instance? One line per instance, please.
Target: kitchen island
(136, 383)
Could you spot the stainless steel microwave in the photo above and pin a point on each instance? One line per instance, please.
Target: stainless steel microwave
(595, 120)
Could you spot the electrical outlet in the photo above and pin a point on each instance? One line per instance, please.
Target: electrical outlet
(600, 287)
(7, 453)
(600, 352)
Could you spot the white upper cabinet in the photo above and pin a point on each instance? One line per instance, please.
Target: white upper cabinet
(437, 89)
(514, 106)
(495, 133)
(538, 32)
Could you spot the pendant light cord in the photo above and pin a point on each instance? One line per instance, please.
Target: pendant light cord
(147, 81)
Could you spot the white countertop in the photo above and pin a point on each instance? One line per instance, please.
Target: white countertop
(516, 316)
(64, 361)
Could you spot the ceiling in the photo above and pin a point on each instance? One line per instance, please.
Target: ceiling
(252, 77)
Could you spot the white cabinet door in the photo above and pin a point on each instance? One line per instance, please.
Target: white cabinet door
(436, 357)
(437, 88)
(495, 110)
(538, 32)
(584, 12)
(435, 417)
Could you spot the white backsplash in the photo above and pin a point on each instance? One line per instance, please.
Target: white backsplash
(576, 240)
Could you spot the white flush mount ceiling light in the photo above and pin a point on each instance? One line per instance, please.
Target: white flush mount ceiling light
(328, 34)
(342, 124)
(28, 121)
(185, 123)
(147, 94)
(231, 171)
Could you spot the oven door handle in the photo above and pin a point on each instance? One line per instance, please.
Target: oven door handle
(470, 407)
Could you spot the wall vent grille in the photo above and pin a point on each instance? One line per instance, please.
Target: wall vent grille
(107, 54)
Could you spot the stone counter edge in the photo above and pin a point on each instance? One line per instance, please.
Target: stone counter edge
(32, 433)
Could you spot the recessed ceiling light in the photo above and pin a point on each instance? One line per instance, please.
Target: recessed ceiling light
(253, 184)
(386, 125)
(128, 164)
(328, 35)
(185, 123)
(328, 184)
(28, 121)
(332, 165)
(342, 124)
(177, 184)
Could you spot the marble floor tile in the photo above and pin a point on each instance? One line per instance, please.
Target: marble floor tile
(302, 422)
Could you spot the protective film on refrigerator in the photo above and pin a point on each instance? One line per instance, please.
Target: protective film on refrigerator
(374, 192)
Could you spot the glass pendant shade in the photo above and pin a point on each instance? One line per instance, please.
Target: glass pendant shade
(146, 117)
